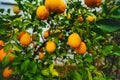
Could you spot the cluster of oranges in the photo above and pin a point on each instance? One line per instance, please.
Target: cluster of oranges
(90, 18)
(6, 72)
(43, 11)
(74, 41)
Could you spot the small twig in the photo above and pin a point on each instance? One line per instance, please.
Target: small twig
(37, 51)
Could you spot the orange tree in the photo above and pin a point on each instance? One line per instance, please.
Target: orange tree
(80, 36)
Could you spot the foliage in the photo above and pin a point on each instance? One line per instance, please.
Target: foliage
(100, 62)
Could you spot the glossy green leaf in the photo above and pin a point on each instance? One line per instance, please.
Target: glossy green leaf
(108, 25)
(5, 61)
(33, 67)
(76, 76)
(107, 50)
(7, 47)
(24, 65)
(117, 53)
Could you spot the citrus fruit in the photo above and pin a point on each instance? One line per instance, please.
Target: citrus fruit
(91, 18)
(52, 5)
(41, 55)
(74, 40)
(50, 46)
(2, 54)
(42, 12)
(81, 49)
(16, 9)
(92, 3)
(7, 72)
(80, 18)
(46, 34)
(24, 38)
(61, 7)
(1, 44)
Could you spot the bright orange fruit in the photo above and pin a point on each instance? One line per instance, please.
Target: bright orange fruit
(50, 46)
(74, 40)
(7, 73)
(81, 49)
(42, 12)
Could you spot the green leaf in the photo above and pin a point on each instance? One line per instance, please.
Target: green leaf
(76, 76)
(89, 75)
(39, 77)
(5, 61)
(33, 67)
(107, 50)
(108, 25)
(24, 65)
(45, 72)
(17, 47)
(1, 10)
(117, 53)
(7, 47)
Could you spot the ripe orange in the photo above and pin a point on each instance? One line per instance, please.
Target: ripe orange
(50, 46)
(7, 72)
(74, 40)
(80, 18)
(1, 44)
(61, 7)
(52, 5)
(41, 55)
(81, 49)
(2, 54)
(16, 9)
(91, 18)
(42, 12)
(24, 38)
(92, 3)
(46, 34)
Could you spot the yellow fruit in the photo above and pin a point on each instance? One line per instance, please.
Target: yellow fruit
(80, 18)
(46, 34)
(7, 73)
(2, 54)
(68, 16)
(81, 49)
(41, 55)
(50, 46)
(74, 40)
(61, 7)
(91, 18)
(92, 3)
(42, 12)
(25, 38)
(52, 5)
(16, 9)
